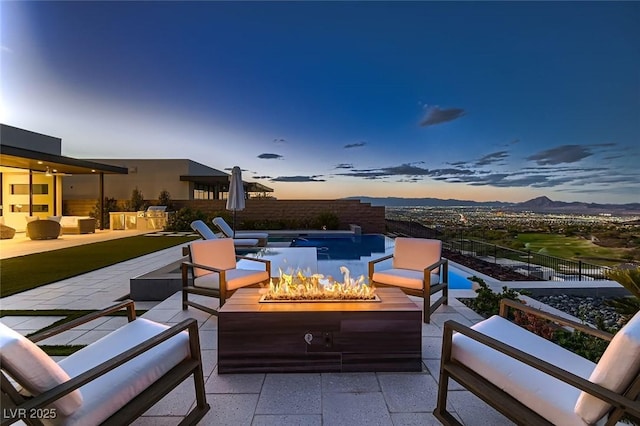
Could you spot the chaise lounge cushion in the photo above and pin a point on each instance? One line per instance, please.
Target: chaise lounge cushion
(112, 391)
(619, 364)
(34, 370)
(551, 398)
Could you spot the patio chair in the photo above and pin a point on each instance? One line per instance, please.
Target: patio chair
(418, 269)
(532, 380)
(43, 229)
(213, 266)
(224, 227)
(206, 233)
(111, 381)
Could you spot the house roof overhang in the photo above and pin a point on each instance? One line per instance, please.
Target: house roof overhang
(223, 182)
(20, 158)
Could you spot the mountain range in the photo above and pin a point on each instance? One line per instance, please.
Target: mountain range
(538, 205)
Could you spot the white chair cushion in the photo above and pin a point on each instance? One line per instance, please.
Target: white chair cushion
(252, 235)
(416, 253)
(245, 242)
(107, 394)
(403, 278)
(236, 278)
(228, 231)
(617, 367)
(34, 370)
(544, 394)
(219, 253)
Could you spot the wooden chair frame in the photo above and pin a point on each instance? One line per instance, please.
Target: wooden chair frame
(427, 289)
(16, 407)
(626, 403)
(222, 293)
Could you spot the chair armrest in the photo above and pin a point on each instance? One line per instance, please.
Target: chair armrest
(265, 261)
(59, 391)
(439, 263)
(505, 304)
(238, 257)
(128, 304)
(617, 400)
(373, 262)
(205, 267)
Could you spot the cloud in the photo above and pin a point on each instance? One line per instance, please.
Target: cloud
(354, 145)
(344, 166)
(4, 48)
(494, 157)
(298, 179)
(267, 156)
(561, 154)
(408, 170)
(435, 115)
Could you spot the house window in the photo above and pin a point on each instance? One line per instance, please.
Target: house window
(35, 208)
(23, 189)
(203, 192)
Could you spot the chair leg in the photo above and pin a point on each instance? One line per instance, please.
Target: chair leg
(427, 308)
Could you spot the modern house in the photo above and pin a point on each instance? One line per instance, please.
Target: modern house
(31, 171)
(35, 178)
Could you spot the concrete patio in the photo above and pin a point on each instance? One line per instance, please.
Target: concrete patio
(261, 399)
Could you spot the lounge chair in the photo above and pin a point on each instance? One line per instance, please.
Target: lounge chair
(224, 227)
(418, 269)
(532, 380)
(213, 266)
(206, 233)
(111, 381)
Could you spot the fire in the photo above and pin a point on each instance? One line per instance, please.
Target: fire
(298, 287)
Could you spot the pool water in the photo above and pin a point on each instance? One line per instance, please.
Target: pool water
(354, 252)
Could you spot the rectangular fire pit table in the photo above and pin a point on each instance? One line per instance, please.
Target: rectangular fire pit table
(256, 337)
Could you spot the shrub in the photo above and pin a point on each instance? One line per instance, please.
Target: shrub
(326, 220)
(136, 203)
(181, 220)
(164, 199)
(629, 279)
(110, 205)
(487, 303)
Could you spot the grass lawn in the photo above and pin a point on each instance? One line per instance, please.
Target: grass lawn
(570, 248)
(26, 272)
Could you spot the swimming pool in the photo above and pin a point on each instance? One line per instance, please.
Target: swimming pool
(354, 252)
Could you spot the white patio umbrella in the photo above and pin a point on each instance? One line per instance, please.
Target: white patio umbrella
(235, 200)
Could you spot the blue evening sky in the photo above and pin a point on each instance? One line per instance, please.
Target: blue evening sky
(469, 100)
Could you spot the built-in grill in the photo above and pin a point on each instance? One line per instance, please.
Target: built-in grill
(156, 211)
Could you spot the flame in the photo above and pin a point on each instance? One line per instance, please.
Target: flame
(297, 286)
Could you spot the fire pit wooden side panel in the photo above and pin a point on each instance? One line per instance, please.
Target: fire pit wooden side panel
(319, 337)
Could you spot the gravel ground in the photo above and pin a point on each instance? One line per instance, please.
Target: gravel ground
(588, 309)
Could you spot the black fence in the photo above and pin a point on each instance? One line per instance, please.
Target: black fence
(527, 263)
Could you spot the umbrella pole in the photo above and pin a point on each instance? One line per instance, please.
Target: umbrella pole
(234, 223)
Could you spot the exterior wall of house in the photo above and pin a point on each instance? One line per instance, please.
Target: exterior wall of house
(15, 182)
(25, 139)
(15, 197)
(149, 176)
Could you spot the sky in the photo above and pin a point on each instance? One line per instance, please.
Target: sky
(485, 101)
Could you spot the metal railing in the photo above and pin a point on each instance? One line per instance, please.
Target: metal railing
(527, 263)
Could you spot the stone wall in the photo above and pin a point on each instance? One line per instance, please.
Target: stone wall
(369, 218)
